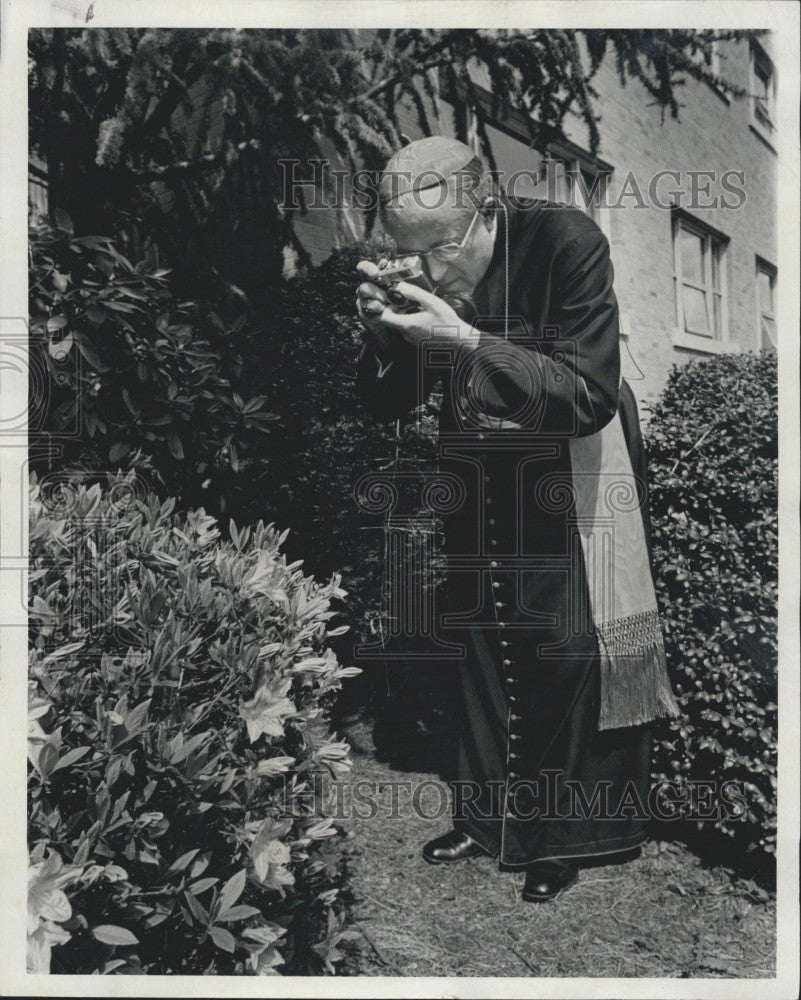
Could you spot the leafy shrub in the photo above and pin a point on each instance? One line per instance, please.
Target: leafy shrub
(150, 382)
(187, 399)
(713, 466)
(180, 691)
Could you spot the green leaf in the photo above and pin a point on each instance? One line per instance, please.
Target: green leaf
(71, 757)
(59, 349)
(119, 306)
(89, 353)
(241, 912)
(185, 859)
(118, 451)
(200, 865)
(63, 221)
(175, 446)
(202, 885)
(48, 756)
(232, 890)
(222, 938)
(199, 911)
(113, 935)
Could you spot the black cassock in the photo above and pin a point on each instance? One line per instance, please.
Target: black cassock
(536, 777)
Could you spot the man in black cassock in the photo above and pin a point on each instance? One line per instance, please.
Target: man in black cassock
(549, 588)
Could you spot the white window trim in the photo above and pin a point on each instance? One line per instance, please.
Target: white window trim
(714, 67)
(569, 167)
(721, 344)
(573, 168)
(766, 130)
(764, 267)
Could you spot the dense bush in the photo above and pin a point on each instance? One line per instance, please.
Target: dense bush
(306, 366)
(180, 689)
(138, 379)
(713, 465)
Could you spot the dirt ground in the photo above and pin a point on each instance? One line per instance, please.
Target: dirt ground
(666, 913)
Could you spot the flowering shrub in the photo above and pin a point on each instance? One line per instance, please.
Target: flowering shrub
(713, 466)
(180, 688)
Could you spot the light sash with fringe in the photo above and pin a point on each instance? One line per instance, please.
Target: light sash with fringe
(608, 515)
(635, 688)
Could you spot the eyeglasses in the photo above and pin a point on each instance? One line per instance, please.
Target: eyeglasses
(446, 251)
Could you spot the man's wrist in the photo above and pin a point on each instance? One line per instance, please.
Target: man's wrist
(468, 336)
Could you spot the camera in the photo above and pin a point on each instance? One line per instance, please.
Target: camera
(409, 268)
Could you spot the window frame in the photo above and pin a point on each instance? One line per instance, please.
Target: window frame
(714, 243)
(591, 177)
(714, 67)
(763, 120)
(571, 156)
(771, 271)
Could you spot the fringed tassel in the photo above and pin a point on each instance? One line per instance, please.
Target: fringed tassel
(634, 687)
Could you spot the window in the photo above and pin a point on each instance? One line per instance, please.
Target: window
(699, 282)
(711, 61)
(763, 91)
(563, 174)
(588, 191)
(766, 305)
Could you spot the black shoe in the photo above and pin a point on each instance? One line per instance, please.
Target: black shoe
(450, 847)
(546, 879)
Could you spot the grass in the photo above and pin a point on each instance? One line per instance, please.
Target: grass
(665, 914)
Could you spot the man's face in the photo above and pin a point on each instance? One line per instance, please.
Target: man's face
(417, 228)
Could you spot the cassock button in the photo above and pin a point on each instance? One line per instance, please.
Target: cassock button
(514, 736)
(515, 718)
(495, 583)
(514, 756)
(510, 815)
(501, 624)
(499, 604)
(512, 698)
(507, 663)
(480, 437)
(493, 542)
(504, 642)
(488, 500)
(510, 680)
(494, 564)
(491, 521)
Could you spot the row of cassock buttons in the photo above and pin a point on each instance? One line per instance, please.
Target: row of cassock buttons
(496, 584)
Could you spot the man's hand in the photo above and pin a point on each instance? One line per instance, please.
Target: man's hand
(435, 319)
(371, 301)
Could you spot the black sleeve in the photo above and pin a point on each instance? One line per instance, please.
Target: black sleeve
(389, 389)
(566, 381)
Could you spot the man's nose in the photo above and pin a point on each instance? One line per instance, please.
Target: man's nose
(437, 269)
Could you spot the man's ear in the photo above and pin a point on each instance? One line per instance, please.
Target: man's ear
(489, 207)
